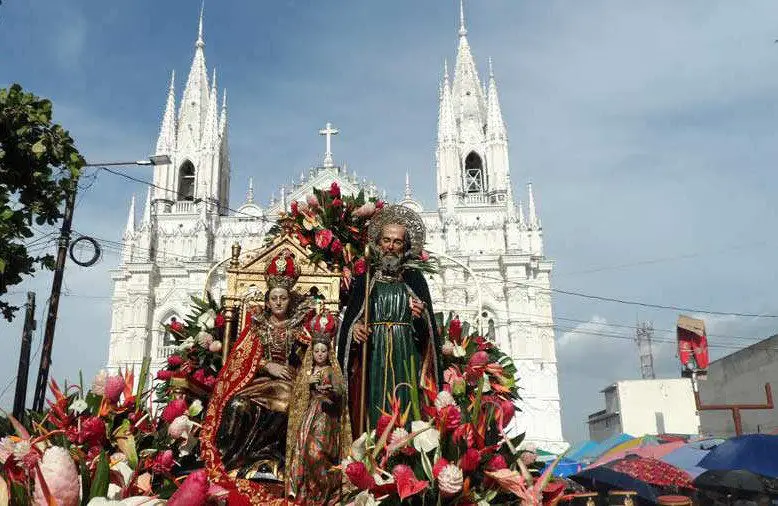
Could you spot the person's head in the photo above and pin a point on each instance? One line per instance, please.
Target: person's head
(393, 239)
(278, 299)
(321, 352)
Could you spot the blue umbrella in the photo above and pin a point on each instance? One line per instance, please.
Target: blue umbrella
(603, 479)
(565, 467)
(689, 455)
(754, 452)
(592, 452)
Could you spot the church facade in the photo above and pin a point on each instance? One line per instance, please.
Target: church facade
(493, 268)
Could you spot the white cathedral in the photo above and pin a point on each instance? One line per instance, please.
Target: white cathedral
(493, 265)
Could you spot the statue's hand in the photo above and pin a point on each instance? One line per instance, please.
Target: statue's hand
(278, 371)
(417, 307)
(360, 332)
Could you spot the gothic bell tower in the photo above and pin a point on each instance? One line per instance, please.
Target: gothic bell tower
(472, 148)
(196, 141)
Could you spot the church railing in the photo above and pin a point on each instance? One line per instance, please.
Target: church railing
(183, 207)
(166, 351)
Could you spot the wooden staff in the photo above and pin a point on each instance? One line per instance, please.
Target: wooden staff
(363, 386)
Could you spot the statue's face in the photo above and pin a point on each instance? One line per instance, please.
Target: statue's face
(278, 300)
(320, 353)
(392, 239)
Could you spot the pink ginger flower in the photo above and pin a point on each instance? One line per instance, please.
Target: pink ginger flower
(444, 399)
(193, 491)
(366, 210)
(163, 462)
(7, 445)
(180, 427)
(98, 383)
(313, 202)
(174, 409)
(114, 386)
(323, 238)
(61, 477)
(215, 347)
(450, 480)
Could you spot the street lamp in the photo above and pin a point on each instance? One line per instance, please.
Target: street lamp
(59, 269)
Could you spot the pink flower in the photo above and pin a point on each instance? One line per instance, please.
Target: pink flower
(455, 330)
(337, 203)
(382, 424)
(98, 384)
(360, 267)
(61, 477)
(174, 360)
(215, 347)
(204, 339)
(424, 256)
(476, 366)
(295, 208)
(508, 410)
(313, 202)
(450, 480)
(164, 375)
(447, 349)
(444, 399)
(335, 190)
(174, 409)
(407, 483)
(219, 321)
(336, 247)
(163, 462)
(438, 467)
(450, 417)
(470, 459)
(379, 204)
(193, 491)
(179, 428)
(323, 238)
(496, 463)
(92, 431)
(114, 386)
(177, 326)
(366, 210)
(359, 476)
(6, 448)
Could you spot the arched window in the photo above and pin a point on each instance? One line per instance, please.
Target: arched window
(186, 181)
(474, 173)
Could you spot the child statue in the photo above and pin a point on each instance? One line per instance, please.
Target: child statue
(319, 433)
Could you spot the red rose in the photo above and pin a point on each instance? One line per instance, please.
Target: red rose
(336, 247)
(337, 203)
(92, 431)
(176, 326)
(323, 238)
(379, 204)
(470, 459)
(174, 409)
(295, 208)
(496, 463)
(174, 360)
(455, 330)
(335, 190)
(219, 321)
(163, 462)
(359, 477)
(383, 423)
(164, 375)
(360, 267)
(438, 467)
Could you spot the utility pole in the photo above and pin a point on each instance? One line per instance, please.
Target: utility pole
(643, 334)
(20, 398)
(56, 288)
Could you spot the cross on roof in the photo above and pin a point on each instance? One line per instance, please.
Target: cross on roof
(328, 131)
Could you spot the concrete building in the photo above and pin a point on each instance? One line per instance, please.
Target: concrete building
(494, 267)
(739, 378)
(640, 407)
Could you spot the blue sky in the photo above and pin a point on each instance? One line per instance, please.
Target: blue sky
(647, 128)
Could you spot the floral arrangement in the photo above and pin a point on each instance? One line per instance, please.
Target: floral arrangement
(455, 450)
(198, 358)
(102, 444)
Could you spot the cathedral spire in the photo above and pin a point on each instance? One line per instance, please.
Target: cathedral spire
(495, 126)
(534, 222)
(408, 194)
(167, 131)
(130, 228)
(146, 219)
(250, 193)
(462, 29)
(195, 99)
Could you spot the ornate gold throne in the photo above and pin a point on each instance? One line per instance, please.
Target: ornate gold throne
(246, 286)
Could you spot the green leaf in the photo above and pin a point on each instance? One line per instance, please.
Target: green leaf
(99, 486)
(427, 466)
(144, 372)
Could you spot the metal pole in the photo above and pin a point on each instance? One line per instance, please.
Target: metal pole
(20, 398)
(56, 288)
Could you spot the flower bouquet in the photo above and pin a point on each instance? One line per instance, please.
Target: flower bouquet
(455, 449)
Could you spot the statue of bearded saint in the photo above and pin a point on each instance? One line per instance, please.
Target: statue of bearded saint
(401, 339)
(260, 371)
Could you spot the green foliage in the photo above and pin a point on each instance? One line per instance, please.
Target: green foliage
(39, 165)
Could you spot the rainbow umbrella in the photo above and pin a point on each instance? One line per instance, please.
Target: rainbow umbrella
(648, 450)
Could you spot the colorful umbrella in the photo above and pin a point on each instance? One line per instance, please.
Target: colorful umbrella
(689, 455)
(603, 479)
(591, 453)
(650, 451)
(736, 481)
(652, 471)
(753, 452)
